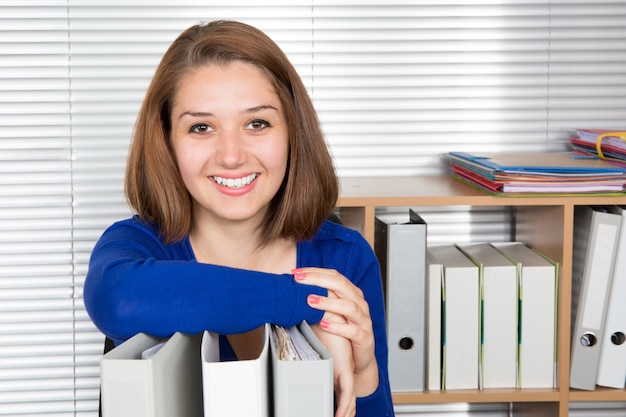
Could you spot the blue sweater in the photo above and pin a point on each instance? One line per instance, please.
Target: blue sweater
(136, 283)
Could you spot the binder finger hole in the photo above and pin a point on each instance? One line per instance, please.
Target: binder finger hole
(588, 340)
(618, 338)
(405, 343)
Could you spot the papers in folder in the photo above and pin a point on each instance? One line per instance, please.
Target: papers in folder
(604, 144)
(538, 173)
(302, 373)
(291, 345)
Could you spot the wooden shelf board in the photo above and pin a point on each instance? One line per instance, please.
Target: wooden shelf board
(478, 396)
(599, 394)
(442, 190)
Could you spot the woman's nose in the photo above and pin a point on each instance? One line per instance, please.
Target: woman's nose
(231, 148)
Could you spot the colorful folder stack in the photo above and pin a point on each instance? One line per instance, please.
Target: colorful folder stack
(604, 144)
(559, 173)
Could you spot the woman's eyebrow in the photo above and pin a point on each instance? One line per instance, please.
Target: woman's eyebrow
(260, 108)
(254, 109)
(195, 114)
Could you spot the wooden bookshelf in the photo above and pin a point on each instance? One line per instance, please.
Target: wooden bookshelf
(544, 222)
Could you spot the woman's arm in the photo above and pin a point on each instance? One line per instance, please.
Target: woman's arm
(137, 284)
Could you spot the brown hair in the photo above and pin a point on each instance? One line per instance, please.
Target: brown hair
(154, 187)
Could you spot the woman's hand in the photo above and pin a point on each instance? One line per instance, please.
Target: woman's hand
(346, 315)
(343, 370)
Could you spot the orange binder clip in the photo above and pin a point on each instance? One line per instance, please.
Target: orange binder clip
(620, 135)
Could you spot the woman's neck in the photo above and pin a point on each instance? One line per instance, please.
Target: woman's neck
(241, 247)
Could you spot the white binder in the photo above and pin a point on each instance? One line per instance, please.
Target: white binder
(612, 365)
(433, 322)
(168, 383)
(400, 246)
(461, 317)
(538, 284)
(303, 388)
(235, 388)
(595, 244)
(498, 329)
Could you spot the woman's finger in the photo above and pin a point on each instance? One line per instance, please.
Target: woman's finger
(342, 288)
(328, 278)
(355, 312)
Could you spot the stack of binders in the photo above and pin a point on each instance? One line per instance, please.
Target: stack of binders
(498, 304)
(598, 351)
(465, 316)
(183, 376)
(612, 364)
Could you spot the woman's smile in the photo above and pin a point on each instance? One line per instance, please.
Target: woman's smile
(231, 182)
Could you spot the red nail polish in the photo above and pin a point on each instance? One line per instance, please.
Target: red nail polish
(298, 274)
(314, 299)
(324, 324)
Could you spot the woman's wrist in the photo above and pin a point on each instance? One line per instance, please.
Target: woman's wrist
(366, 381)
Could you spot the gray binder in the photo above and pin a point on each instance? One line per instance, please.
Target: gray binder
(303, 388)
(612, 366)
(167, 384)
(401, 250)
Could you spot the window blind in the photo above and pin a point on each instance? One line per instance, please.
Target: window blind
(36, 260)
(396, 84)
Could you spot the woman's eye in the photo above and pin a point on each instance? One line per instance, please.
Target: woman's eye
(200, 128)
(258, 124)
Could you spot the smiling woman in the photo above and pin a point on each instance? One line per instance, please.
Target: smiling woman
(311, 183)
(232, 184)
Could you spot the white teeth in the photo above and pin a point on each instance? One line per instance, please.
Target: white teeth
(235, 182)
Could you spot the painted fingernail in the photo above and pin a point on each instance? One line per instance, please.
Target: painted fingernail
(314, 299)
(324, 324)
(298, 274)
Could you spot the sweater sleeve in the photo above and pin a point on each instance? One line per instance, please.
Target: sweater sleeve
(137, 284)
(367, 277)
(378, 404)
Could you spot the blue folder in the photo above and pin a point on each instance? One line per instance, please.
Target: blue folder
(537, 163)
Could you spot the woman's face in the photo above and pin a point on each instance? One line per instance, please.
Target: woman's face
(230, 138)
